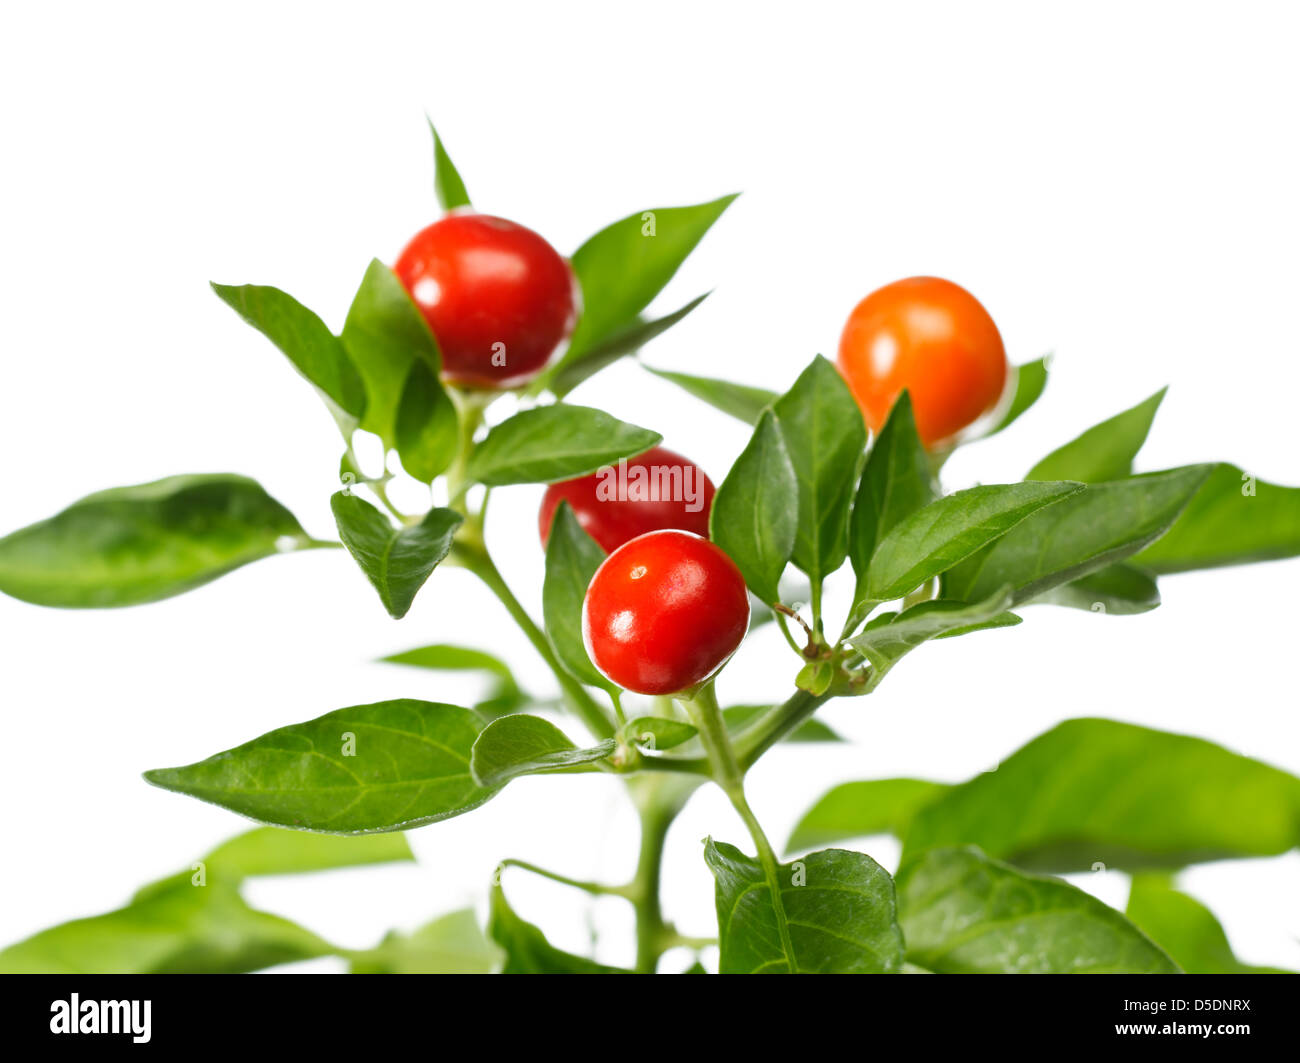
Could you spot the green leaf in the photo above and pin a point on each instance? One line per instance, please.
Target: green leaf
(572, 557)
(756, 510)
(1029, 380)
(272, 851)
(529, 745)
(739, 717)
(946, 532)
(858, 809)
(1234, 519)
(1100, 525)
(1184, 928)
(451, 944)
(304, 339)
(143, 543)
(528, 951)
(963, 913)
(825, 434)
(1120, 589)
(623, 267)
(1093, 790)
(891, 636)
(177, 928)
(838, 905)
(1001, 620)
(570, 374)
(397, 561)
(427, 432)
(741, 401)
(446, 179)
(558, 442)
(391, 765)
(1105, 451)
(658, 732)
(896, 482)
(445, 657)
(385, 335)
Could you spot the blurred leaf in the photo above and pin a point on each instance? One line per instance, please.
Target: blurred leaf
(1184, 928)
(131, 545)
(1234, 519)
(446, 178)
(659, 732)
(529, 745)
(558, 442)
(504, 696)
(739, 717)
(947, 531)
(391, 765)
(1092, 790)
(272, 851)
(755, 511)
(859, 809)
(963, 913)
(1105, 451)
(1120, 589)
(570, 374)
(1100, 525)
(1028, 379)
(825, 435)
(528, 951)
(838, 908)
(739, 400)
(304, 339)
(397, 561)
(427, 432)
(178, 928)
(624, 266)
(572, 557)
(451, 944)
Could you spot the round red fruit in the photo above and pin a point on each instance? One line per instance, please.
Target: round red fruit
(664, 612)
(497, 296)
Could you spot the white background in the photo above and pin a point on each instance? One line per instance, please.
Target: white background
(1116, 182)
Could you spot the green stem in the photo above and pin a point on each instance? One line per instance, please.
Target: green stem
(778, 723)
(771, 869)
(650, 929)
(596, 888)
(475, 558)
(817, 605)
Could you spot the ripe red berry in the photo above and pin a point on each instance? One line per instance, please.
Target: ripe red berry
(497, 296)
(651, 492)
(664, 612)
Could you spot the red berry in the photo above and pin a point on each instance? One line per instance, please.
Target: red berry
(664, 612)
(498, 297)
(651, 492)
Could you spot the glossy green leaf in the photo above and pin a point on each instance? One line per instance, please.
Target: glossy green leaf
(558, 442)
(859, 809)
(304, 339)
(991, 624)
(384, 335)
(1105, 451)
(1120, 589)
(949, 530)
(896, 482)
(659, 732)
(526, 948)
(624, 266)
(1028, 381)
(178, 928)
(741, 401)
(1100, 525)
(1186, 929)
(756, 510)
(963, 913)
(529, 745)
(572, 557)
(427, 431)
(569, 374)
(1235, 519)
(272, 851)
(447, 182)
(825, 435)
(837, 908)
(397, 561)
(143, 543)
(1130, 797)
(451, 944)
(891, 636)
(391, 765)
